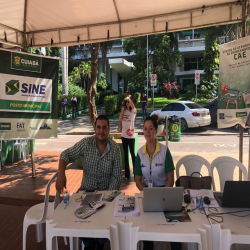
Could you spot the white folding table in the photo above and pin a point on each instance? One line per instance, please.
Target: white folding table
(152, 226)
(233, 230)
(102, 224)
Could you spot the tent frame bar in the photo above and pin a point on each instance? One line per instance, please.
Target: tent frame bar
(118, 17)
(137, 19)
(11, 43)
(132, 35)
(10, 28)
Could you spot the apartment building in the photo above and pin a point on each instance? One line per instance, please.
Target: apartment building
(118, 63)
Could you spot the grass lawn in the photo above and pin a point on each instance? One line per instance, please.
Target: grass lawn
(160, 102)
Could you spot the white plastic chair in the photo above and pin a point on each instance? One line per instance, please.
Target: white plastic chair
(22, 144)
(38, 214)
(1, 155)
(225, 166)
(192, 163)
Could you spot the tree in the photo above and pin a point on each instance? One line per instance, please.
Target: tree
(102, 83)
(163, 53)
(85, 74)
(91, 93)
(104, 49)
(209, 83)
(211, 61)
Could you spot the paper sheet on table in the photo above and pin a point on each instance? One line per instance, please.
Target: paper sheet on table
(87, 198)
(204, 192)
(118, 208)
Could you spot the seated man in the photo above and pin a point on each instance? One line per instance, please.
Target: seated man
(102, 165)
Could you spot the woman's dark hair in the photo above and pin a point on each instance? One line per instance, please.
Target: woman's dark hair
(154, 119)
(125, 101)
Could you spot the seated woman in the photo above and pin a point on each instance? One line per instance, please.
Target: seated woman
(154, 167)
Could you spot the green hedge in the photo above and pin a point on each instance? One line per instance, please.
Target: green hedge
(113, 103)
(82, 102)
(99, 99)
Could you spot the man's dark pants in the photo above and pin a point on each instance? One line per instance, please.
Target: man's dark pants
(64, 112)
(73, 112)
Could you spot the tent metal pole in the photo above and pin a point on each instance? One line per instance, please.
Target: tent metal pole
(24, 26)
(166, 130)
(32, 159)
(147, 70)
(241, 130)
(248, 155)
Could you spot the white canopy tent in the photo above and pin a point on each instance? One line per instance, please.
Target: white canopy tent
(64, 23)
(36, 23)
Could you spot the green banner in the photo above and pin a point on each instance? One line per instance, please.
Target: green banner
(26, 62)
(5, 126)
(28, 99)
(25, 106)
(234, 83)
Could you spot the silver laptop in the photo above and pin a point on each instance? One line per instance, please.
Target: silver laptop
(160, 199)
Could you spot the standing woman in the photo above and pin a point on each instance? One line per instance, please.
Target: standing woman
(127, 117)
(154, 167)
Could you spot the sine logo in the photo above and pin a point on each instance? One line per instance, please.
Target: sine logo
(12, 87)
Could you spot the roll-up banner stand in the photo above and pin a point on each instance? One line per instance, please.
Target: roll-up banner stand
(234, 84)
(28, 96)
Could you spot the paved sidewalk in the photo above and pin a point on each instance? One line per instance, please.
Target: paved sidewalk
(82, 125)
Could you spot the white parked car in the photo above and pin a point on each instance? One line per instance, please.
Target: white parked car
(192, 114)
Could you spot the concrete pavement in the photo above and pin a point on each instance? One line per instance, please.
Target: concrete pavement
(82, 125)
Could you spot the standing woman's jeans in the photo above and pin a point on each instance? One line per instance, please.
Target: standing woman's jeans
(131, 144)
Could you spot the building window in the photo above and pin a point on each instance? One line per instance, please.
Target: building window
(117, 42)
(193, 63)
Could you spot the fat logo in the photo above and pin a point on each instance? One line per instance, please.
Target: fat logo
(20, 126)
(221, 115)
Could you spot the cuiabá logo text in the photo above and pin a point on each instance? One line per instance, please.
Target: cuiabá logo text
(21, 61)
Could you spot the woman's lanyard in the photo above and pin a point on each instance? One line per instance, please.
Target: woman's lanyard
(150, 159)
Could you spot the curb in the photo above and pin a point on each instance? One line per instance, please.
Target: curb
(141, 133)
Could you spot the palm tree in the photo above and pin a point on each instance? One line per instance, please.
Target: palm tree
(85, 71)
